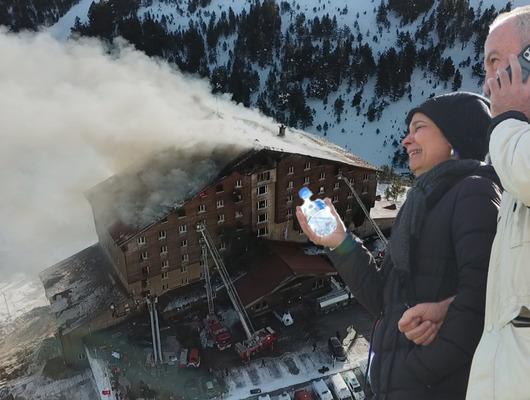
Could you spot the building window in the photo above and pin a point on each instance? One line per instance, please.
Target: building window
(263, 231)
(184, 243)
(261, 190)
(181, 213)
(291, 170)
(322, 175)
(321, 190)
(183, 228)
(289, 198)
(222, 245)
(339, 171)
(335, 199)
(239, 184)
(219, 188)
(290, 185)
(289, 212)
(239, 214)
(262, 204)
(263, 217)
(336, 186)
(220, 203)
(307, 165)
(306, 180)
(184, 280)
(220, 218)
(165, 286)
(350, 195)
(201, 262)
(264, 176)
(163, 249)
(144, 255)
(204, 251)
(141, 240)
(165, 275)
(185, 258)
(238, 197)
(202, 208)
(165, 264)
(201, 275)
(161, 235)
(348, 207)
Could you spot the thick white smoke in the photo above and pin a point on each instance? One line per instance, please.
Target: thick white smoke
(71, 115)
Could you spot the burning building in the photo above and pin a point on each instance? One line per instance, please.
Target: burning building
(145, 219)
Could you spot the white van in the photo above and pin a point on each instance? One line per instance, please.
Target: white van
(321, 390)
(339, 388)
(354, 385)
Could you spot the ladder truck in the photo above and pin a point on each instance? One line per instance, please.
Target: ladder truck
(256, 340)
(214, 328)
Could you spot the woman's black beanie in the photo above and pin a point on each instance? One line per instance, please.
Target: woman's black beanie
(463, 118)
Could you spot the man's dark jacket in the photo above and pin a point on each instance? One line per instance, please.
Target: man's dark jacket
(450, 258)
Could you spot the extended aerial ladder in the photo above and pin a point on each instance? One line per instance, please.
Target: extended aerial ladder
(256, 341)
(361, 204)
(214, 328)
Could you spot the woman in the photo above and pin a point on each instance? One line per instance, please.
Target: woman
(437, 258)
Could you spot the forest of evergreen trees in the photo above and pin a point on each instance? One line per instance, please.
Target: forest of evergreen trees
(311, 59)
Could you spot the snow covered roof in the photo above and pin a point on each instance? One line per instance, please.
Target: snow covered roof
(81, 287)
(284, 262)
(136, 198)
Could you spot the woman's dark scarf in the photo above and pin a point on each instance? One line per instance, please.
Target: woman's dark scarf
(428, 187)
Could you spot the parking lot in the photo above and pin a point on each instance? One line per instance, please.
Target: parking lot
(301, 354)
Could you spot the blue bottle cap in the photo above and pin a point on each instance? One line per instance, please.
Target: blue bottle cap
(305, 193)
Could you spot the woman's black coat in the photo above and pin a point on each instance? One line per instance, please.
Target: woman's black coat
(450, 258)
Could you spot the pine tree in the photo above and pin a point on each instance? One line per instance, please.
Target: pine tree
(457, 81)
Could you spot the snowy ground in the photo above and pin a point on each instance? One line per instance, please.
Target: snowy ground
(37, 387)
(22, 293)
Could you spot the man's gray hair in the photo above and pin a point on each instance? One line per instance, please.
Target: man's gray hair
(521, 18)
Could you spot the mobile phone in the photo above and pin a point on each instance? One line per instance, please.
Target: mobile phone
(524, 60)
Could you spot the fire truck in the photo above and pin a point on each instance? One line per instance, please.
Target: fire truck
(256, 341)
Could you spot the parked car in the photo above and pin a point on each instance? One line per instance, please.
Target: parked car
(255, 391)
(354, 385)
(211, 393)
(303, 395)
(284, 316)
(264, 397)
(336, 349)
(339, 388)
(321, 390)
(284, 396)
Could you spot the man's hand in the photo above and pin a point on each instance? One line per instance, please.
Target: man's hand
(421, 323)
(334, 239)
(509, 96)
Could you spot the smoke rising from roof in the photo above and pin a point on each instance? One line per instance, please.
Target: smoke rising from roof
(71, 115)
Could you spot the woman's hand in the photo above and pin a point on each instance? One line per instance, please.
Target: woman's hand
(422, 322)
(332, 240)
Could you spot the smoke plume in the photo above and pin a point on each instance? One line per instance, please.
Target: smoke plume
(71, 115)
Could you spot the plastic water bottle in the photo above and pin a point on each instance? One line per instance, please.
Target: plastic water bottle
(318, 214)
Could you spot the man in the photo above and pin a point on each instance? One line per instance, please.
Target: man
(502, 360)
(501, 365)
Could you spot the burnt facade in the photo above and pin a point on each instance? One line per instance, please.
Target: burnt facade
(257, 194)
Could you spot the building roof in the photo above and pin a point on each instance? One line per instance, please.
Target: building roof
(145, 193)
(81, 287)
(284, 262)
